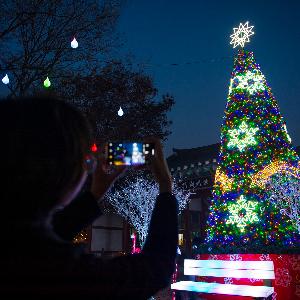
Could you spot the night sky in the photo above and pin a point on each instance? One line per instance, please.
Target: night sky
(166, 32)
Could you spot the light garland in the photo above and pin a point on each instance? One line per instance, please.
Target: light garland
(135, 201)
(242, 213)
(287, 134)
(242, 137)
(81, 237)
(283, 190)
(223, 181)
(260, 178)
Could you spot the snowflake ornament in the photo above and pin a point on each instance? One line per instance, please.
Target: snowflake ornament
(228, 280)
(242, 213)
(235, 257)
(241, 34)
(265, 257)
(242, 137)
(282, 277)
(251, 81)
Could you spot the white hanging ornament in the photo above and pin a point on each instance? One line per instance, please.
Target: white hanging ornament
(74, 43)
(5, 79)
(120, 112)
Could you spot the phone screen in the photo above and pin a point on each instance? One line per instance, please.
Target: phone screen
(128, 154)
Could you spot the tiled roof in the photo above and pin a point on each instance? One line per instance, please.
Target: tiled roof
(186, 157)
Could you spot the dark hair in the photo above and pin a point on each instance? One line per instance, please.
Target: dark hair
(43, 145)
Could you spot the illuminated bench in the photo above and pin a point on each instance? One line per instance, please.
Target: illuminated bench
(233, 269)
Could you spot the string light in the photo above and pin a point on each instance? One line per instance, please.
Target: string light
(260, 178)
(136, 198)
(224, 182)
(81, 237)
(283, 189)
(287, 134)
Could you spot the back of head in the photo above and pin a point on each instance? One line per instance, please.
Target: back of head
(43, 144)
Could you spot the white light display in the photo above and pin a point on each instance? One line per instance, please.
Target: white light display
(227, 264)
(227, 269)
(120, 112)
(5, 79)
(74, 43)
(241, 34)
(135, 199)
(251, 81)
(287, 134)
(242, 213)
(242, 137)
(224, 289)
(283, 190)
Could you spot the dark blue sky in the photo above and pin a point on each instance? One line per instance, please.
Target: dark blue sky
(176, 31)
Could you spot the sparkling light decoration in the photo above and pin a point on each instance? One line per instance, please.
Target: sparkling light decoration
(287, 134)
(5, 79)
(47, 83)
(223, 180)
(81, 237)
(241, 34)
(260, 178)
(74, 43)
(242, 137)
(242, 213)
(251, 81)
(284, 191)
(134, 200)
(254, 146)
(120, 112)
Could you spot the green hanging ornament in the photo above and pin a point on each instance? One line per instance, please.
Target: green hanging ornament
(47, 82)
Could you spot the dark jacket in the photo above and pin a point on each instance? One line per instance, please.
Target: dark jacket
(43, 263)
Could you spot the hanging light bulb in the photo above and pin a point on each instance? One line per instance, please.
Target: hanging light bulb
(74, 43)
(47, 83)
(5, 79)
(94, 148)
(120, 112)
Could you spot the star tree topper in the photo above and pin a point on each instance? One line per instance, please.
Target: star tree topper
(241, 34)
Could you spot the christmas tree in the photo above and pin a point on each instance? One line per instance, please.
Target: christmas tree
(255, 145)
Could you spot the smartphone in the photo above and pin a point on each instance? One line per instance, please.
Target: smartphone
(129, 153)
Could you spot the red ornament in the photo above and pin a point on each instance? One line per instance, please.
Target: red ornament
(94, 148)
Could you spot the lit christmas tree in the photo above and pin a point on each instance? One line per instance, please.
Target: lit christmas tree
(254, 145)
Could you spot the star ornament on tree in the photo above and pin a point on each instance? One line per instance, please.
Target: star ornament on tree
(242, 137)
(242, 213)
(241, 34)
